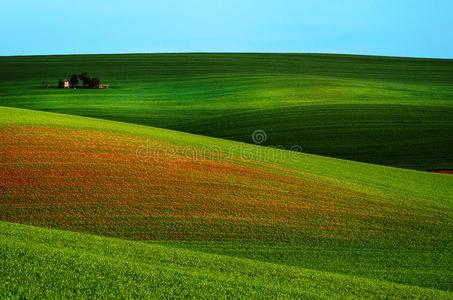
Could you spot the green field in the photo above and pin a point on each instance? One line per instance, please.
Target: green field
(232, 219)
(391, 111)
(146, 189)
(62, 264)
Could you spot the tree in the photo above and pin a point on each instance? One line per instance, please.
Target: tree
(85, 78)
(60, 84)
(74, 81)
(94, 82)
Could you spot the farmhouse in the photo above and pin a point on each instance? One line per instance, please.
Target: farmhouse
(66, 84)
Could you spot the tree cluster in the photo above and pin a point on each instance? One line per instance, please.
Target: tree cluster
(83, 78)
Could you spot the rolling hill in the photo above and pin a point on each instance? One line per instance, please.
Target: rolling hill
(238, 219)
(381, 110)
(69, 265)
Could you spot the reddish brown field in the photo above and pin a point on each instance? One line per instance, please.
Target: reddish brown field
(94, 181)
(443, 171)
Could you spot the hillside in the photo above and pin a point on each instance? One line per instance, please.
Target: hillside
(195, 193)
(390, 111)
(64, 264)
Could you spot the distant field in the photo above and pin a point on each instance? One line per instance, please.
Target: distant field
(375, 227)
(391, 111)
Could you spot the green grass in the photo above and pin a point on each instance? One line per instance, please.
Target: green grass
(391, 111)
(245, 221)
(58, 264)
(428, 267)
(343, 229)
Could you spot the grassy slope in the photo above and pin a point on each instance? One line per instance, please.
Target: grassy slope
(252, 202)
(64, 264)
(391, 111)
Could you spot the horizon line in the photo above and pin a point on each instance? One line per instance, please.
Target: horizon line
(232, 53)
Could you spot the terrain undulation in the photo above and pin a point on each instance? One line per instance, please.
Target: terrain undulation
(155, 186)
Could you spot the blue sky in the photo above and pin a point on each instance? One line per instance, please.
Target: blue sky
(380, 27)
